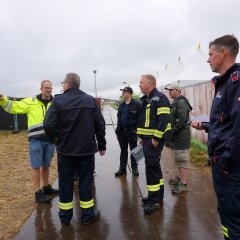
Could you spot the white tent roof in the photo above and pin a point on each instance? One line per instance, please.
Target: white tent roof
(170, 74)
(198, 70)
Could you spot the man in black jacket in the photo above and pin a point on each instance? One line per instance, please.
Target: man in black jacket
(126, 130)
(75, 121)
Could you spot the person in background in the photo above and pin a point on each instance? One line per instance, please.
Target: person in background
(180, 137)
(224, 132)
(154, 129)
(40, 147)
(76, 124)
(128, 112)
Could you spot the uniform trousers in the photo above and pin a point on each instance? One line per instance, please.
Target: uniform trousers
(67, 165)
(228, 198)
(125, 138)
(153, 170)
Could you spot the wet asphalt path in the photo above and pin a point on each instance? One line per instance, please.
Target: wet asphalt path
(188, 216)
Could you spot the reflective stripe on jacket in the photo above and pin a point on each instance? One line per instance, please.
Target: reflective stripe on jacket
(154, 117)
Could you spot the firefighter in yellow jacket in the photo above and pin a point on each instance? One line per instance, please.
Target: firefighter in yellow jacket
(154, 129)
(40, 148)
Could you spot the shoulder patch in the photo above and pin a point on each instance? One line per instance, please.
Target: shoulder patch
(234, 76)
(155, 98)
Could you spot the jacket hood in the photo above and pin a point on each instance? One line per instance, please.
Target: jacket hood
(185, 100)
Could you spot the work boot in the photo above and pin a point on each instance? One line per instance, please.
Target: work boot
(181, 187)
(150, 207)
(48, 190)
(135, 172)
(120, 172)
(174, 181)
(144, 200)
(40, 197)
(96, 216)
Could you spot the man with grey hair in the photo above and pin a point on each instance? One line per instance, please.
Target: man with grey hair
(75, 122)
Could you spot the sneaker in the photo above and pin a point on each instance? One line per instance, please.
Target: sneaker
(135, 172)
(120, 172)
(40, 197)
(174, 181)
(48, 190)
(150, 207)
(88, 221)
(181, 187)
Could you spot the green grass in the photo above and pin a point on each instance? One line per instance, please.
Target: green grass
(198, 152)
(114, 106)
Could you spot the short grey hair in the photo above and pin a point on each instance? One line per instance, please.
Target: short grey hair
(73, 79)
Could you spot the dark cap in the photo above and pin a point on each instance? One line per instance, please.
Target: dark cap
(127, 89)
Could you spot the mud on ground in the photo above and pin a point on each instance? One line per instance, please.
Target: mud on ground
(16, 192)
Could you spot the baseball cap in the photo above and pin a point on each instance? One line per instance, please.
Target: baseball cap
(173, 86)
(127, 89)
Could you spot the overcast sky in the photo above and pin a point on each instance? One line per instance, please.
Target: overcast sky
(121, 39)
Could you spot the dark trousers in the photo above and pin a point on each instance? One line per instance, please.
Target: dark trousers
(153, 170)
(125, 138)
(228, 202)
(67, 166)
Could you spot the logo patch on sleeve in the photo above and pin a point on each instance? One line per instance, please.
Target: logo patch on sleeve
(234, 76)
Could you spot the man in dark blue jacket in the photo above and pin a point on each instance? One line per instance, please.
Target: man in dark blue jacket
(224, 132)
(128, 112)
(75, 121)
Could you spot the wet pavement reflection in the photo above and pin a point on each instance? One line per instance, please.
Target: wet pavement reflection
(187, 216)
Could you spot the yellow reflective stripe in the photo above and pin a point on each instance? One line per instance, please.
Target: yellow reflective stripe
(153, 188)
(169, 127)
(161, 181)
(86, 204)
(65, 206)
(145, 131)
(158, 134)
(163, 110)
(147, 120)
(225, 231)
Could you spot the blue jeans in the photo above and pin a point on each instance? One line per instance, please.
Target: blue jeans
(41, 153)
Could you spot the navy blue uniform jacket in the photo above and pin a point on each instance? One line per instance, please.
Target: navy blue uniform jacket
(224, 132)
(75, 123)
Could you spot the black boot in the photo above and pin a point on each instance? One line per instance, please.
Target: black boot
(48, 190)
(90, 219)
(40, 197)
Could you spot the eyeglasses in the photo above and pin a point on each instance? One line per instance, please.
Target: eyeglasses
(63, 83)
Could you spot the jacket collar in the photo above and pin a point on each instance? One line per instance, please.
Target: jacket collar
(217, 79)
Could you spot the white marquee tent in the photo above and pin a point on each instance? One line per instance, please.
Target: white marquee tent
(197, 71)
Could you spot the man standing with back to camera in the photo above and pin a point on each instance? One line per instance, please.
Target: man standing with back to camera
(76, 121)
(128, 112)
(224, 132)
(154, 129)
